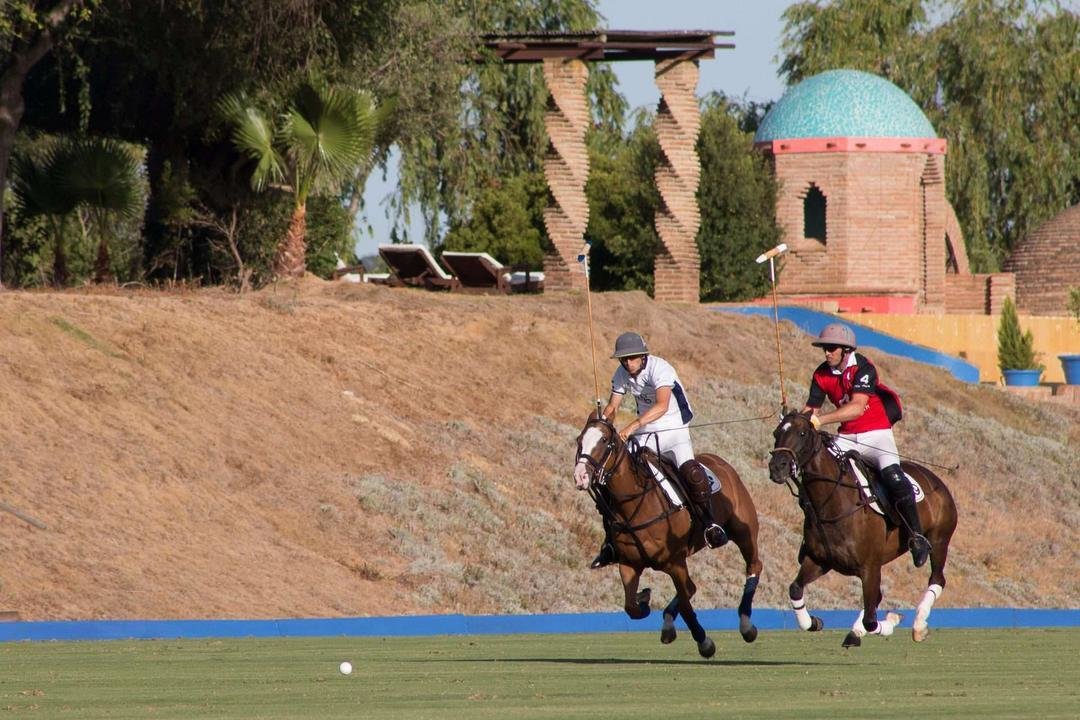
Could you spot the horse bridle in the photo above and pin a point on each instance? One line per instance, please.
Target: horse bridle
(795, 471)
(599, 469)
(796, 478)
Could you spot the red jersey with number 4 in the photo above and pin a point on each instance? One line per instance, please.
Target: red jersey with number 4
(858, 376)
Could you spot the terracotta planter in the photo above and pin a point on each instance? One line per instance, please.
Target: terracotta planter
(1071, 365)
(1022, 378)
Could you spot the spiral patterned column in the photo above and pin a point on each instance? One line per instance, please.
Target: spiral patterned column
(566, 167)
(678, 263)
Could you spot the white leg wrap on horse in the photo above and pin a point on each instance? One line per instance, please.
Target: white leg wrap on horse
(801, 615)
(933, 592)
(858, 628)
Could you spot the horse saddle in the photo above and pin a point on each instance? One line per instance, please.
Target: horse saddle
(869, 482)
(670, 480)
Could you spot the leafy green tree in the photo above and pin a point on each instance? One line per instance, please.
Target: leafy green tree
(507, 221)
(324, 135)
(737, 196)
(145, 83)
(623, 201)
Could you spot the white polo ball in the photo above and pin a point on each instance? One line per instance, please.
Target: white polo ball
(345, 668)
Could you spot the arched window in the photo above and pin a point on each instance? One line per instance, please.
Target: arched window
(814, 214)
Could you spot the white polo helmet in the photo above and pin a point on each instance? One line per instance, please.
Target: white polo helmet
(630, 344)
(836, 334)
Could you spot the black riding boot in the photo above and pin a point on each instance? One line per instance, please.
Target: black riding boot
(697, 482)
(903, 498)
(606, 556)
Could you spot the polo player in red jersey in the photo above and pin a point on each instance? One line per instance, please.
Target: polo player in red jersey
(866, 411)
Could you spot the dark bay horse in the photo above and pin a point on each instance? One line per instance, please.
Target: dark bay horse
(649, 530)
(842, 532)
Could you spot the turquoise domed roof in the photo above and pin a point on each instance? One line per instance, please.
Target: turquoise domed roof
(844, 103)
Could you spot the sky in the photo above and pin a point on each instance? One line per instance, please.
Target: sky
(748, 70)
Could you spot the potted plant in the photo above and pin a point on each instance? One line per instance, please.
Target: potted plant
(1070, 363)
(1016, 350)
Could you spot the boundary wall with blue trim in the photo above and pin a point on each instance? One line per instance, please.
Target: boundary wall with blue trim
(813, 322)
(717, 620)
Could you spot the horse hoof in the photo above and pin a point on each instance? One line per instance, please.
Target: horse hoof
(751, 634)
(852, 640)
(667, 632)
(816, 623)
(919, 634)
(706, 648)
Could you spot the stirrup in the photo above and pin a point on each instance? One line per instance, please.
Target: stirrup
(606, 556)
(715, 536)
(920, 549)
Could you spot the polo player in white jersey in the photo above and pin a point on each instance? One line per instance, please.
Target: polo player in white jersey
(662, 423)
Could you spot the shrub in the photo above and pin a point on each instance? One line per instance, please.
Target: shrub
(1073, 303)
(1016, 350)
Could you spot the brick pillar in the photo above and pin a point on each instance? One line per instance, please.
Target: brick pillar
(935, 215)
(566, 167)
(678, 264)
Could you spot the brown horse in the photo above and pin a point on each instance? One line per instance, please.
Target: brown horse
(650, 530)
(842, 532)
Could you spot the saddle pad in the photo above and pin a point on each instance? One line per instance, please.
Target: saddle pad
(663, 482)
(865, 486)
(714, 482)
(669, 489)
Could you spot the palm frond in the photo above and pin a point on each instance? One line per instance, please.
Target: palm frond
(253, 136)
(100, 173)
(35, 190)
(329, 132)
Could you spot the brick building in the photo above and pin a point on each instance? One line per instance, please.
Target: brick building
(862, 202)
(1047, 264)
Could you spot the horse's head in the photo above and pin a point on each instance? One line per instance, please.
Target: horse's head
(598, 453)
(796, 443)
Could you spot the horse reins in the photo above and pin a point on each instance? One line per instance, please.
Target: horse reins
(799, 478)
(600, 475)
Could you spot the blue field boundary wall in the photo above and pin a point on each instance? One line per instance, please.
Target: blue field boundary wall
(812, 322)
(427, 625)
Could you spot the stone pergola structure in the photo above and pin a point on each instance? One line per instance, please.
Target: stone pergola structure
(565, 58)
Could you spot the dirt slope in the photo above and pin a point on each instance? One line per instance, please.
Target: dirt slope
(323, 449)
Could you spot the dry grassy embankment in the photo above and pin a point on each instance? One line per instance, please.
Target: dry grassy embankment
(323, 450)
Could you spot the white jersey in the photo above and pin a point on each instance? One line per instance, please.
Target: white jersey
(657, 373)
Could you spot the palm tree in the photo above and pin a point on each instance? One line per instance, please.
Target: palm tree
(103, 176)
(98, 175)
(37, 194)
(323, 137)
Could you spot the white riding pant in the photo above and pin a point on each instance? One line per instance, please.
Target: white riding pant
(877, 446)
(674, 443)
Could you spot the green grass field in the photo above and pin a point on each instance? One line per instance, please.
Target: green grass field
(785, 674)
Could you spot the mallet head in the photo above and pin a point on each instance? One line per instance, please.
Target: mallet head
(778, 250)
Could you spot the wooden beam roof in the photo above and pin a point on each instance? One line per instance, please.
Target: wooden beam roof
(607, 45)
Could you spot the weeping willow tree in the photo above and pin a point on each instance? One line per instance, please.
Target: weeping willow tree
(490, 127)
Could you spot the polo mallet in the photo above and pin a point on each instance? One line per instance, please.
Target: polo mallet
(770, 255)
(583, 258)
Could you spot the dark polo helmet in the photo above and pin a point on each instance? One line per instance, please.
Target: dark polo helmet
(836, 334)
(630, 344)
